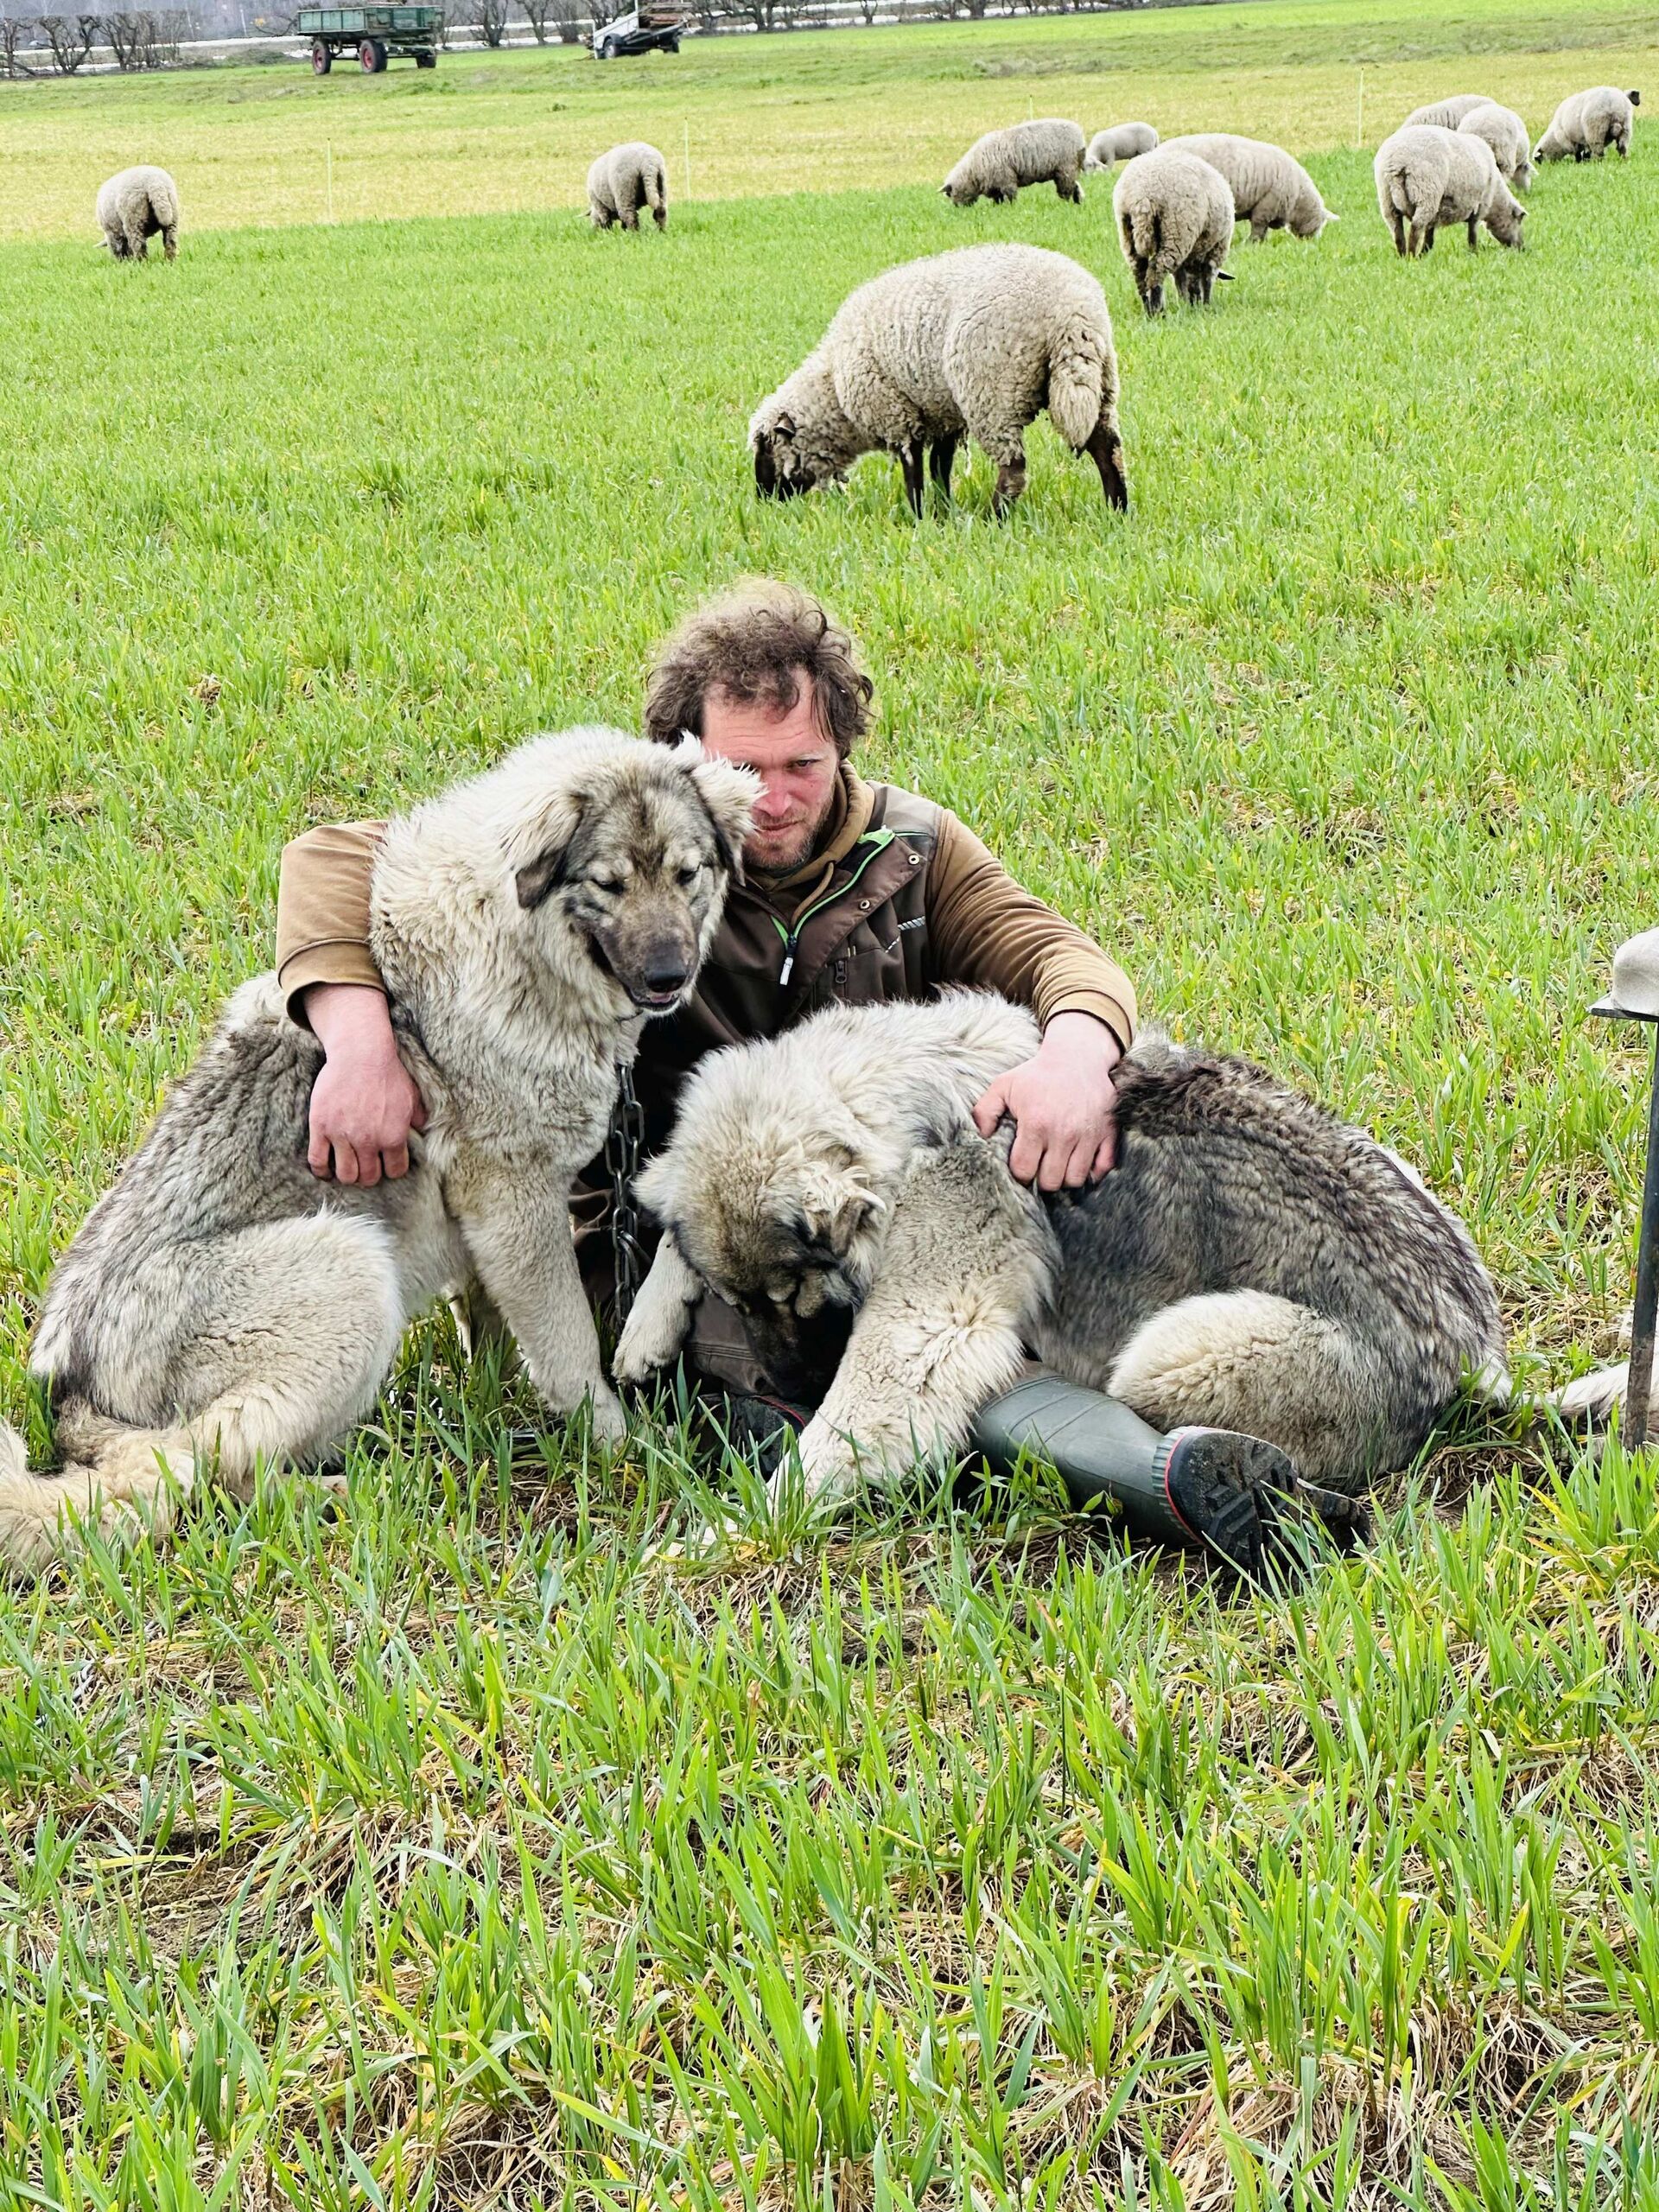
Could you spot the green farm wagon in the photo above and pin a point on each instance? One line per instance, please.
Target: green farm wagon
(374, 35)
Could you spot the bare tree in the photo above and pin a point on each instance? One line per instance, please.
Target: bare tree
(569, 15)
(70, 38)
(125, 33)
(14, 43)
(492, 20)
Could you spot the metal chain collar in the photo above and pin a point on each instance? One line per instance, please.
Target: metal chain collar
(622, 1144)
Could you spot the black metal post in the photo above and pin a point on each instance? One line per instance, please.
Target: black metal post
(1640, 1387)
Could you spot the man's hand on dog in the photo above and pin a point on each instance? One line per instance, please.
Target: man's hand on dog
(364, 1103)
(1062, 1103)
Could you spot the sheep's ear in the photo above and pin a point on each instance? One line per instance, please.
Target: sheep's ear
(1332, 216)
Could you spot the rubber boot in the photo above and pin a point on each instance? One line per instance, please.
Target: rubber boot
(1235, 1495)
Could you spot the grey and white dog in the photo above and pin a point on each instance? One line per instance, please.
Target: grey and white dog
(218, 1308)
(1251, 1262)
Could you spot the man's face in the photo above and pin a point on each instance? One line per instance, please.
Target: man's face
(796, 764)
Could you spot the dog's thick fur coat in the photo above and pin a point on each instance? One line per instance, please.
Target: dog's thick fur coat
(1250, 1263)
(218, 1307)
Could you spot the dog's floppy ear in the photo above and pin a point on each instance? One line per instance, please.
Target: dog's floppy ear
(539, 852)
(836, 1200)
(728, 792)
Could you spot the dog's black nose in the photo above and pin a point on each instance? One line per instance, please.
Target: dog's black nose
(663, 975)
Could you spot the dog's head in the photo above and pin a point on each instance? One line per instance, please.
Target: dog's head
(780, 1214)
(627, 857)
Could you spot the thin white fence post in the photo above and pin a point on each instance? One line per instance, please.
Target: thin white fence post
(1359, 118)
(687, 157)
(331, 179)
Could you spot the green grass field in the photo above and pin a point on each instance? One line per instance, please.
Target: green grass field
(453, 1851)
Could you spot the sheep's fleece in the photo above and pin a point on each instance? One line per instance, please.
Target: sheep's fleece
(1506, 134)
(977, 341)
(623, 181)
(133, 207)
(1120, 143)
(1049, 151)
(1446, 114)
(1271, 192)
(1586, 123)
(1174, 215)
(1427, 177)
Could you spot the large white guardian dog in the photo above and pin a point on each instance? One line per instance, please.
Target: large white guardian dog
(219, 1307)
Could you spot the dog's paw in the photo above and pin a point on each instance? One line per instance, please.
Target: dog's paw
(649, 1343)
(609, 1418)
(828, 1465)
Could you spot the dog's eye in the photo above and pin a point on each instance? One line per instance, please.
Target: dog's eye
(686, 876)
(608, 884)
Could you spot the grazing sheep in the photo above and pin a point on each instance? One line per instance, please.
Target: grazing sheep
(623, 181)
(133, 207)
(1506, 134)
(1270, 191)
(973, 343)
(1586, 123)
(1120, 143)
(1174, 215)
(1446, 114)
(995, 166)
(1427, 176)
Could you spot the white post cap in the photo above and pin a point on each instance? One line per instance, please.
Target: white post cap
(1635, 973)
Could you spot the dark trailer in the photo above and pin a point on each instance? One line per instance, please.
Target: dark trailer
(374, 35)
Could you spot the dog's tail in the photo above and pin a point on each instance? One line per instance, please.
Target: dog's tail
(1593, 1399)
(113, 1477)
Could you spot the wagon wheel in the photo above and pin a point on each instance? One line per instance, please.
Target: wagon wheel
(425, 60)
(322, 58)
(372, 56)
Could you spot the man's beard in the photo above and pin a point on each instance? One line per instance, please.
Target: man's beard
(776, 852)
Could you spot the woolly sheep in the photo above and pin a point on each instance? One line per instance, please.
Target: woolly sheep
(1427, 176)
(1270, 191)
(1586, 123)
(995, 166)
(972, 343)
(1506, 134)
(133, 207)
(622, 182)
(1446, 114)
(1120, 143)
(1174, 214)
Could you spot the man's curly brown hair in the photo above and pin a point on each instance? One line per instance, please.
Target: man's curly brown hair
(759, 642)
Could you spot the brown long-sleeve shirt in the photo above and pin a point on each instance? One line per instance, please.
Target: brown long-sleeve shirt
(982, 928)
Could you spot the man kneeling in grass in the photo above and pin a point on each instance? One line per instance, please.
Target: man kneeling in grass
(854, 893)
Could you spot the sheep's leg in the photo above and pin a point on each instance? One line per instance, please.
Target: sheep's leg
(170, 241)
(1105, 449)
(1152, 296)
(941, 461)
(1401, 237)
(1258, 231)
(910, 460)
(1010, 483)
(1474, 234)
(137, 243)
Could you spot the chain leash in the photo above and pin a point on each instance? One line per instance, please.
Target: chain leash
(623, 1145)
